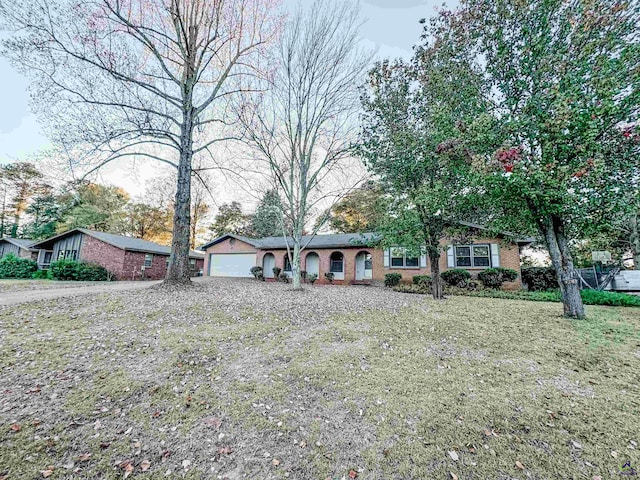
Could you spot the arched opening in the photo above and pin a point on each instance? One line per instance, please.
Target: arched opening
(287, 265)
(336, 265)
(268, 263)
(364, 266)
(312, 264)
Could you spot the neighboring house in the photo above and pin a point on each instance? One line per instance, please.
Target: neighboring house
(126, 257)
(351, 261)
(20, 247)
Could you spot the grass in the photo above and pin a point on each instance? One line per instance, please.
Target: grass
(589, 297)
(388, 392)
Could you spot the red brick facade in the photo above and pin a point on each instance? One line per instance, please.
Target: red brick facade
(509, 258)
(125, 264)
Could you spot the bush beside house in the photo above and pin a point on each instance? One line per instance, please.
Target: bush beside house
(79, 271)
(12, 266)
(539, 279)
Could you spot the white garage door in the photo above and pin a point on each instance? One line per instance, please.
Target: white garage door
(231, 264)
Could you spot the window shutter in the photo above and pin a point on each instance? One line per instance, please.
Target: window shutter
(423, 257)
(387, 252)
(451, 260)
(495, 255)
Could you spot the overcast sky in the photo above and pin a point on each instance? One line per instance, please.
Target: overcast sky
(391, 26)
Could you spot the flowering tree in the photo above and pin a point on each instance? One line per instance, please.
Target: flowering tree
(140, 78)
(563, 75)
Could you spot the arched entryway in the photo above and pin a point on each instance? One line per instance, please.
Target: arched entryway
(268, 263)
(312, 264)
(336, 265)
(364, 266)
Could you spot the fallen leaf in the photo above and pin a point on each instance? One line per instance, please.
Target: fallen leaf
(487, 433)
(519, 465)
(127, 470)
(4, 476)
(597, 477)
(225, 450)
(145, 465)
(84, 457)
(576, 444)
(453, 476)
(48, 472)
(275, 462)
(453, 455)
(213, 422)
(353, 474)
(15, 427)
(104, 445)
(614, 454)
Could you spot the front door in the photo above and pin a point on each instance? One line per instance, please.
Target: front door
(364, 266)
(268, 262)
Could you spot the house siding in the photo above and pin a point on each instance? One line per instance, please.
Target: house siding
(72, 242)
(6, 248)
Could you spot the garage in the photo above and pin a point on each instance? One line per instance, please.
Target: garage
(231, 264)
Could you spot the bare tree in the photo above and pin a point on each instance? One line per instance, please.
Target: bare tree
(302, 125)
(140, 78)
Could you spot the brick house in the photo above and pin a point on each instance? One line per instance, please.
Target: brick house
(126, 257)
(352, 261)
(20, 247)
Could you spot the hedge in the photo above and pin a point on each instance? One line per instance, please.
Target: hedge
(17, 267)
(79, 271)
(539, 279)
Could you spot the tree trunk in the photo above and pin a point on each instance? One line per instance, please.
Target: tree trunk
(295, 264)
(178, 271)
(562, 261)
(634, 240)
(437, 288)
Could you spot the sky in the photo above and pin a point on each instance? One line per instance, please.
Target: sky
(391, 28)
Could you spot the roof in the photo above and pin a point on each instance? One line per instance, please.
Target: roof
(121, 241)
(340, 240)
(516, 238)
(251, 241)
(25, 243)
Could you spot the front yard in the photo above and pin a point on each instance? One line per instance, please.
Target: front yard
(241, 379)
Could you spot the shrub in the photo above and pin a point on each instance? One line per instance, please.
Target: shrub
(392, 279)
(303, 275)
(329, 276)
(312, 278)
(42, 275)
(539, 278)
(283, 277)
(422, 280)
(495, 277)
(456, 277)
(276, 272)
(257, 273)
(589, 297)
(78, 271)
(16, 267)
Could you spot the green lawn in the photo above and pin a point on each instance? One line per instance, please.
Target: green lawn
(251, 380)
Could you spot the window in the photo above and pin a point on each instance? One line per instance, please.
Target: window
(68, 255)
(148, 259)
(287, 264)
(401, 259)
(473, 256)
(336, 262)
(192, 263)
(368, 262)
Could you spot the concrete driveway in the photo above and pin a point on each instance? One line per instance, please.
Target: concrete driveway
(33, 295)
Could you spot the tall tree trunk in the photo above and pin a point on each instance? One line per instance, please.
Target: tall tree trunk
(295, 264)
(634, 239)
(178, 271)
(437, 288)
(553, 230)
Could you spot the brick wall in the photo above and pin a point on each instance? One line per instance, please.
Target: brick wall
(509, 258)
(133, 262)
(97, 251)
